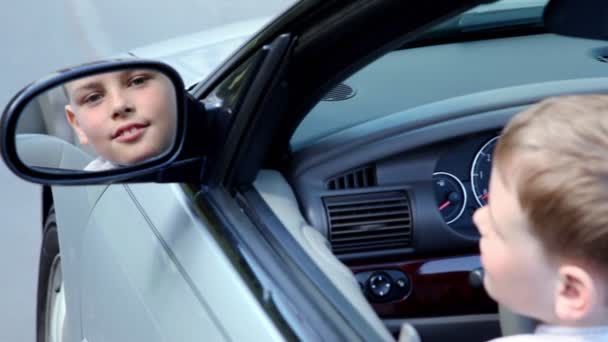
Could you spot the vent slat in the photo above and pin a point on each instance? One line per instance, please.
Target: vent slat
(356, 202)
(377, 237)
(366, 215)
(365, 219)
(369, 207)
(369, 222)
(404, 228)
(366, 223)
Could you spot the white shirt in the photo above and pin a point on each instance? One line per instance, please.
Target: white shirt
(99, 164)
(554, 333)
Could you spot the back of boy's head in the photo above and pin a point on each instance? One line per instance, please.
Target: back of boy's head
(555, 156)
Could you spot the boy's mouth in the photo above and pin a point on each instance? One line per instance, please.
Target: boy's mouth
(129, 132)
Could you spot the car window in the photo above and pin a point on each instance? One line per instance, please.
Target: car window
(426, 72)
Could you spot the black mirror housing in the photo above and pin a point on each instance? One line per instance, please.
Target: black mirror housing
(161, 167)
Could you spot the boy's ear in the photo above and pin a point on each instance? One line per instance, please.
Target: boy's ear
(575, 293)
(69, 113)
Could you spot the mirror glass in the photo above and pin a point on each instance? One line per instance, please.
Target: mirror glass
(99, 122)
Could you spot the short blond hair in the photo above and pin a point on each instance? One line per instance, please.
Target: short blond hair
(555, 156)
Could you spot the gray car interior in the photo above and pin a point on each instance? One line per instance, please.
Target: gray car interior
(277, 193)
(410, 111)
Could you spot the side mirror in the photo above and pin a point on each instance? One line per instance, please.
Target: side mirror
(96, 123)
(577, 18)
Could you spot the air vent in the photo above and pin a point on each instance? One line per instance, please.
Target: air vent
(339, 93)
(356, 179)
(369, 222)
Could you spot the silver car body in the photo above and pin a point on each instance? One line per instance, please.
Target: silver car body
(169, 279)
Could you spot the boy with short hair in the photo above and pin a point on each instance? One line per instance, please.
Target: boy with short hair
(128, 116)
(544, 232)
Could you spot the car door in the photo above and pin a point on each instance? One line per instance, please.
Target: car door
(261, 138)
(153, 272)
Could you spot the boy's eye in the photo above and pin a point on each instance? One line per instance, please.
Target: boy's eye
(92, 98)
(138, 80)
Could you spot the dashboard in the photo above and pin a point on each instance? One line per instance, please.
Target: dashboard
(402, 221)
(402, 193)
(393, 173)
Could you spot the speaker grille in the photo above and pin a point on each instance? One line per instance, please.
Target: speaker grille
(340, 92)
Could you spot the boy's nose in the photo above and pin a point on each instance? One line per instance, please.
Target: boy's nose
(121, 106)
(121, 111)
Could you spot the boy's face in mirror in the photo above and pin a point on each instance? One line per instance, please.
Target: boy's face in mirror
(128, 116)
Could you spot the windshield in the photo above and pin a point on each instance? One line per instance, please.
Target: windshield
(428, 70)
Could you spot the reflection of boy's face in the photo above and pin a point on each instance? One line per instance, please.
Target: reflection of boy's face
(128, 116)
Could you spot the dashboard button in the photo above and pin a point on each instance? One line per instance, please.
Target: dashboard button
(380, 284)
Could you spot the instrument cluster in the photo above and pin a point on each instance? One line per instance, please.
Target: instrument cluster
(461, 182)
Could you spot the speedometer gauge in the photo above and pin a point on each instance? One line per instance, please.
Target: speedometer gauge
(480, 172)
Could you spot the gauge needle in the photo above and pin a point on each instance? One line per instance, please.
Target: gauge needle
(485, 196)
(445, 204)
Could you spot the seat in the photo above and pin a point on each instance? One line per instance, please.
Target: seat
(41, 150)
(278, 195)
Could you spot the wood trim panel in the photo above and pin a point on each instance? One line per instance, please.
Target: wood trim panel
(439, 287)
